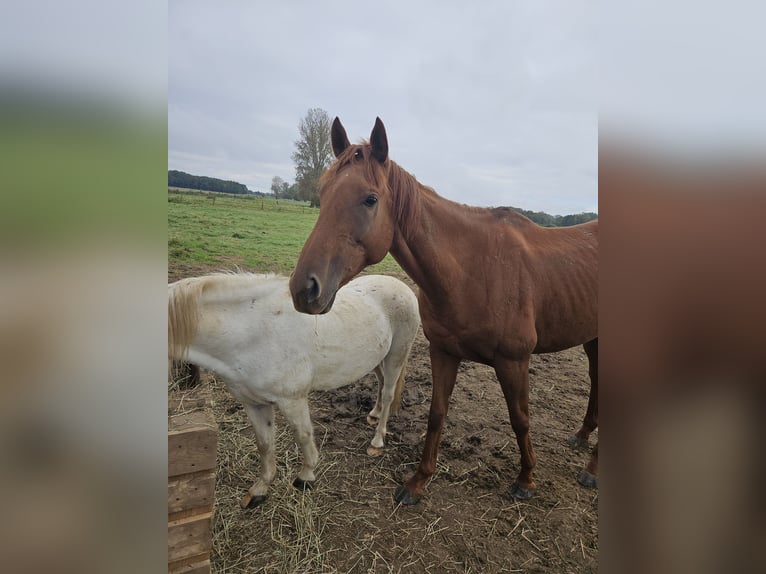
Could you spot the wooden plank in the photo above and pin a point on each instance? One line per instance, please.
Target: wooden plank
(181, 404)
(193, 565)
(191, 491)
(192, 440)
(189, 537)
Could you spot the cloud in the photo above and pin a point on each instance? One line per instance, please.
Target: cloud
(464, 91)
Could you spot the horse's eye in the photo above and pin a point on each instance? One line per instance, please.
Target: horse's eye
(370, 201)
(358, 154)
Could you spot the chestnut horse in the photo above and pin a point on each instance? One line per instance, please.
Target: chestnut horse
(494, 286)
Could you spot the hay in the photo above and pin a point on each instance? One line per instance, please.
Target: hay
(349, 523)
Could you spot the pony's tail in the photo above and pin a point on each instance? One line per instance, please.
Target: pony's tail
(183, 317)
(396, 403)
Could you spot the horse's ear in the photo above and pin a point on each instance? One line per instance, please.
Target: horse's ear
(339, 138)
(379, 141)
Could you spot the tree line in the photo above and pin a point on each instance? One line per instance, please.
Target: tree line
(548, 220)
(186, 180)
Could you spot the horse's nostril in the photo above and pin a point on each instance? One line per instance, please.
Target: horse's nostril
(312, 288)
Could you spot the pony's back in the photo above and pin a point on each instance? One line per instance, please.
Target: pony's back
(186, 297)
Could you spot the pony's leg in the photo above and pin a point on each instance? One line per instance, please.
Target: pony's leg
(374, 417)
(589, 424)
(514, 380)
(444, 372)
(262, 419)
(296, 411)
(386, 387)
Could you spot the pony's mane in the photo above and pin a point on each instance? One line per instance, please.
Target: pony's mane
(184, 297)
(404, 188)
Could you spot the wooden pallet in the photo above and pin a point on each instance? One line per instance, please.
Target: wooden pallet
(192, 441)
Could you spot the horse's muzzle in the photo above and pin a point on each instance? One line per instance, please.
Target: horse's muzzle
(308, 296)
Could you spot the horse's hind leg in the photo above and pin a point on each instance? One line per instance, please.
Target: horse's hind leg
(374, 417)
(262, 419)
(296, 411)
(589, 424)
(588, 476)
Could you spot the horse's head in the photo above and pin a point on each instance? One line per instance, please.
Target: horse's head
(355, 226)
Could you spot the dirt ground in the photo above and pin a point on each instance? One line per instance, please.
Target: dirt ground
(467, 522)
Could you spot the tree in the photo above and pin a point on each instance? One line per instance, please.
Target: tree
(278, 186)
(313, 154)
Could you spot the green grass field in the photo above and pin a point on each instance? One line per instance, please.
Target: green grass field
(221, 231)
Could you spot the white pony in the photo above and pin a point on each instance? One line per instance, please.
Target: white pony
(244, 328)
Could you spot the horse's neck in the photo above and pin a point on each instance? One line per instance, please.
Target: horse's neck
(423, 252)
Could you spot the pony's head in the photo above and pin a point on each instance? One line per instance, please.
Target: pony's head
(356, 223)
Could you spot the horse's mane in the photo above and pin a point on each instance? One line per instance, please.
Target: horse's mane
(405, 189)
(184, 298)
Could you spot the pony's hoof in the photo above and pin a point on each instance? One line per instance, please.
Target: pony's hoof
(301, 484)
(374, 451)
(371, 420)
(577, 442)
(522, 492)
(587, 480)
(250, 501)
(404, 496)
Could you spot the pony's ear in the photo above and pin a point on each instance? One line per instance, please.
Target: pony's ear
(339, 138)
(379, 141)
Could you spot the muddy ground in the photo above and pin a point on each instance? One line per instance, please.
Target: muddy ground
(467, 522)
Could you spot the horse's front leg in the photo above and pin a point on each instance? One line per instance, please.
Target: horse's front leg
(444, 372)
(262, 419)
(296, 411)
(514, 380)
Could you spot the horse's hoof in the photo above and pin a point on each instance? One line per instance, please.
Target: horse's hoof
(587, 480)
(577, 442)
(374, 451)
(522, 492)
(301, 484)
(404, 496)
(372, 420)
(252, 501)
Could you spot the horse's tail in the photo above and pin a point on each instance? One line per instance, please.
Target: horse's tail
(183, 316)
(399, 388)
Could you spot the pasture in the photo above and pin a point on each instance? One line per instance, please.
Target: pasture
(209, 230)
(468, 522)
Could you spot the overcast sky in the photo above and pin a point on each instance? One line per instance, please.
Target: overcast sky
(489, 103)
